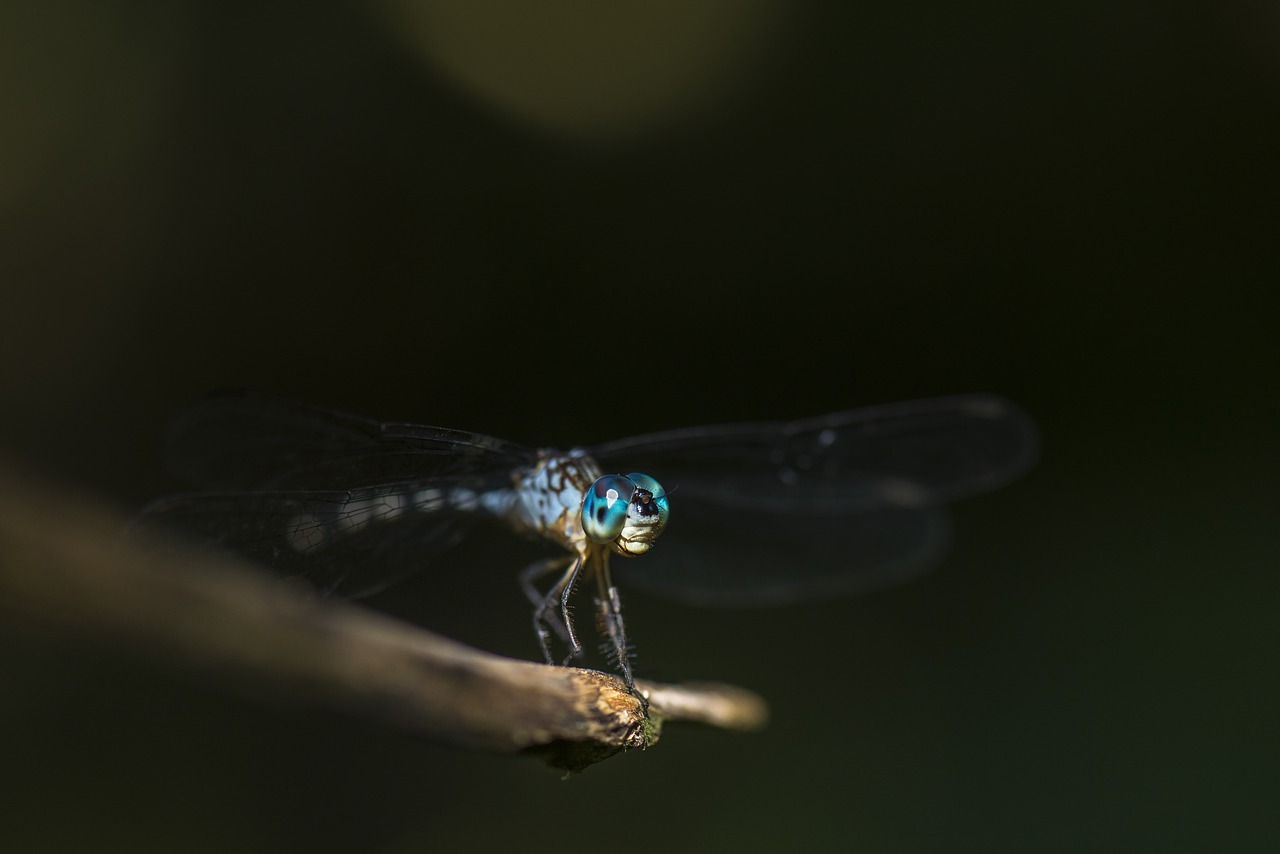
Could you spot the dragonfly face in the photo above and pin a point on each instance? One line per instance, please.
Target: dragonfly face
(625, 512)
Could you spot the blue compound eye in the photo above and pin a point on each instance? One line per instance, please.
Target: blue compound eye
(604, 509)
(659, 495)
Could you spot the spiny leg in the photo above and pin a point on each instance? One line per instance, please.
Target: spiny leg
(543, 613)
(561, 591)
(529, 576)
(609, 611)
(566, 590)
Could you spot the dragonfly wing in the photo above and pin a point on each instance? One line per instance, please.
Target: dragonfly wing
(713, 559)
(914, 454)
(348, 543)
(248, 441)
(842, 503)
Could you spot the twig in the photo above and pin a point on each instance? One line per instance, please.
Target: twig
(64, 567)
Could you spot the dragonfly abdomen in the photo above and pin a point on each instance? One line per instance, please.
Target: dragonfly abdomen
(361, 509)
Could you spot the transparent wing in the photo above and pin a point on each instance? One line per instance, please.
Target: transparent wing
(247, 441)
(761, 512)
(706, 560)
(914, 454)
(348, 543)
(774, 512)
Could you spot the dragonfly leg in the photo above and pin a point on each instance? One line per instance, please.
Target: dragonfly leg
(544, 612)
(566, 589)
(609, 612)
(529, 577)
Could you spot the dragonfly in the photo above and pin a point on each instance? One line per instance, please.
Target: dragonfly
(751, 514)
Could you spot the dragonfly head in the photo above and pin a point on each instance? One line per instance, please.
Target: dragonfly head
(626, 513)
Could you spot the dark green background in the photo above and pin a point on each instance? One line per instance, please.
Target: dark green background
(1073, 205)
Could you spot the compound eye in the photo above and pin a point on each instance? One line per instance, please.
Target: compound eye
(657, 496)
(604, 508)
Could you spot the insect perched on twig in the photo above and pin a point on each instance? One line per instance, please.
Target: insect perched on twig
(766, 512)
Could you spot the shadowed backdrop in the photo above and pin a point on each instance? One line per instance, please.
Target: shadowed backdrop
(572, 224)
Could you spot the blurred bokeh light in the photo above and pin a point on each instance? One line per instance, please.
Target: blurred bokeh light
(591, 72)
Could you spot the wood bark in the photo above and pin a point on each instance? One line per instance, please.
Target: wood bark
(66, 568)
